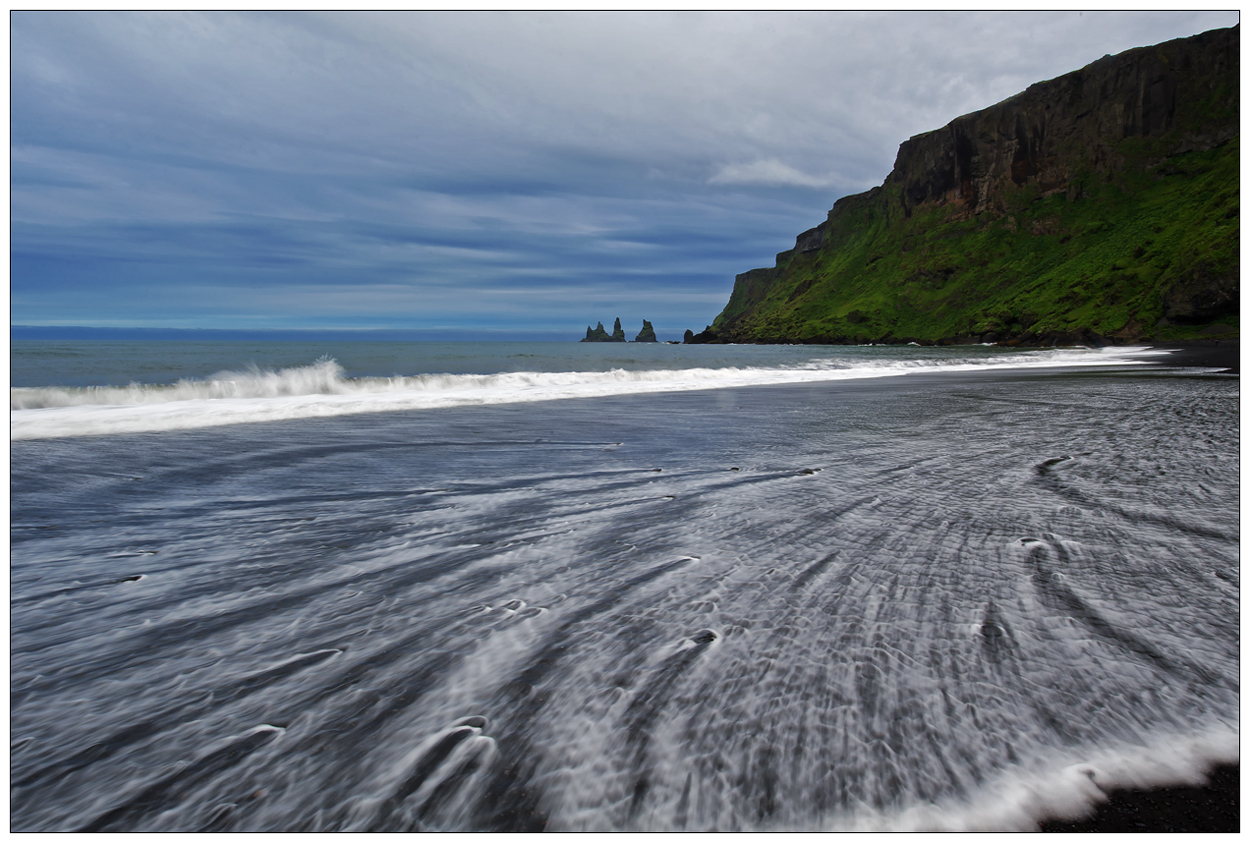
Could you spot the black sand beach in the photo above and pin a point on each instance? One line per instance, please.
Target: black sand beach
(732, 609)
(1216, 807)
(1223, 353)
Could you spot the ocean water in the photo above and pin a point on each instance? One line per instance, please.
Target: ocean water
(578, 587)
(76, 388)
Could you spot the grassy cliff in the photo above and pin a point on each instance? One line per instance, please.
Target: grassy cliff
(1100, 206)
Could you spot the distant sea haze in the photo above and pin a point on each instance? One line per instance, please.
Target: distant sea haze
(398, 586)
(475, 334)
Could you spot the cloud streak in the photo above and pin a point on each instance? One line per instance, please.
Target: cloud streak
(770, 172)
(158, 159)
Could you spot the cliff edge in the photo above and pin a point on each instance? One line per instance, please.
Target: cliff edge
(1098, 207)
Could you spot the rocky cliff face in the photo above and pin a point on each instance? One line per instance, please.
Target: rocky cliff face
(1057, 130)
(1035, 164)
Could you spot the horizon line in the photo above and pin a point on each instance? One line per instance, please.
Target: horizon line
(82, 332)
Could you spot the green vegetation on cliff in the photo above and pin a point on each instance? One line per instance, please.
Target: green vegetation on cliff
(1033, 222)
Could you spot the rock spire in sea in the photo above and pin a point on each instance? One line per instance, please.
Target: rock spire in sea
(599, 334)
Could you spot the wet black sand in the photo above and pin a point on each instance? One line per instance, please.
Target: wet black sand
(351, 582)
(1216, 807)
(1227, 355)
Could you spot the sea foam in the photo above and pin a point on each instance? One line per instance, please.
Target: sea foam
(321, 389)
(1023, 798)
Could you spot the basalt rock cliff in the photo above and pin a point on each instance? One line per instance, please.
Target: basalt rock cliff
(1102, 206)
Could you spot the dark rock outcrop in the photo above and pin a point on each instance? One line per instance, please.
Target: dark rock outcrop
(1203, 296)
(706, 336)
(596, 334)
(647, 334)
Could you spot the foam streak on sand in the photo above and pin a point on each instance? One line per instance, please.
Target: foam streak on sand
(321, 390)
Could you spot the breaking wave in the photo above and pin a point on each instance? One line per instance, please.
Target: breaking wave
(323, 389)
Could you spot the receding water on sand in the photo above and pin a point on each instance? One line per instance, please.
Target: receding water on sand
(939, 601)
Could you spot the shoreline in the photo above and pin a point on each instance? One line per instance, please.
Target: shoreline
(1214, 807)
(379, 487)
(1226, 355)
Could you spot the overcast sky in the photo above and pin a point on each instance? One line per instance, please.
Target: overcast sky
(514, 174)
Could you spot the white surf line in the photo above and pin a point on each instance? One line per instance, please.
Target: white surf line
(194, 413)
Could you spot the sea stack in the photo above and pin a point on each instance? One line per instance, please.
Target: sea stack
(647, 334)
(598, 334)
